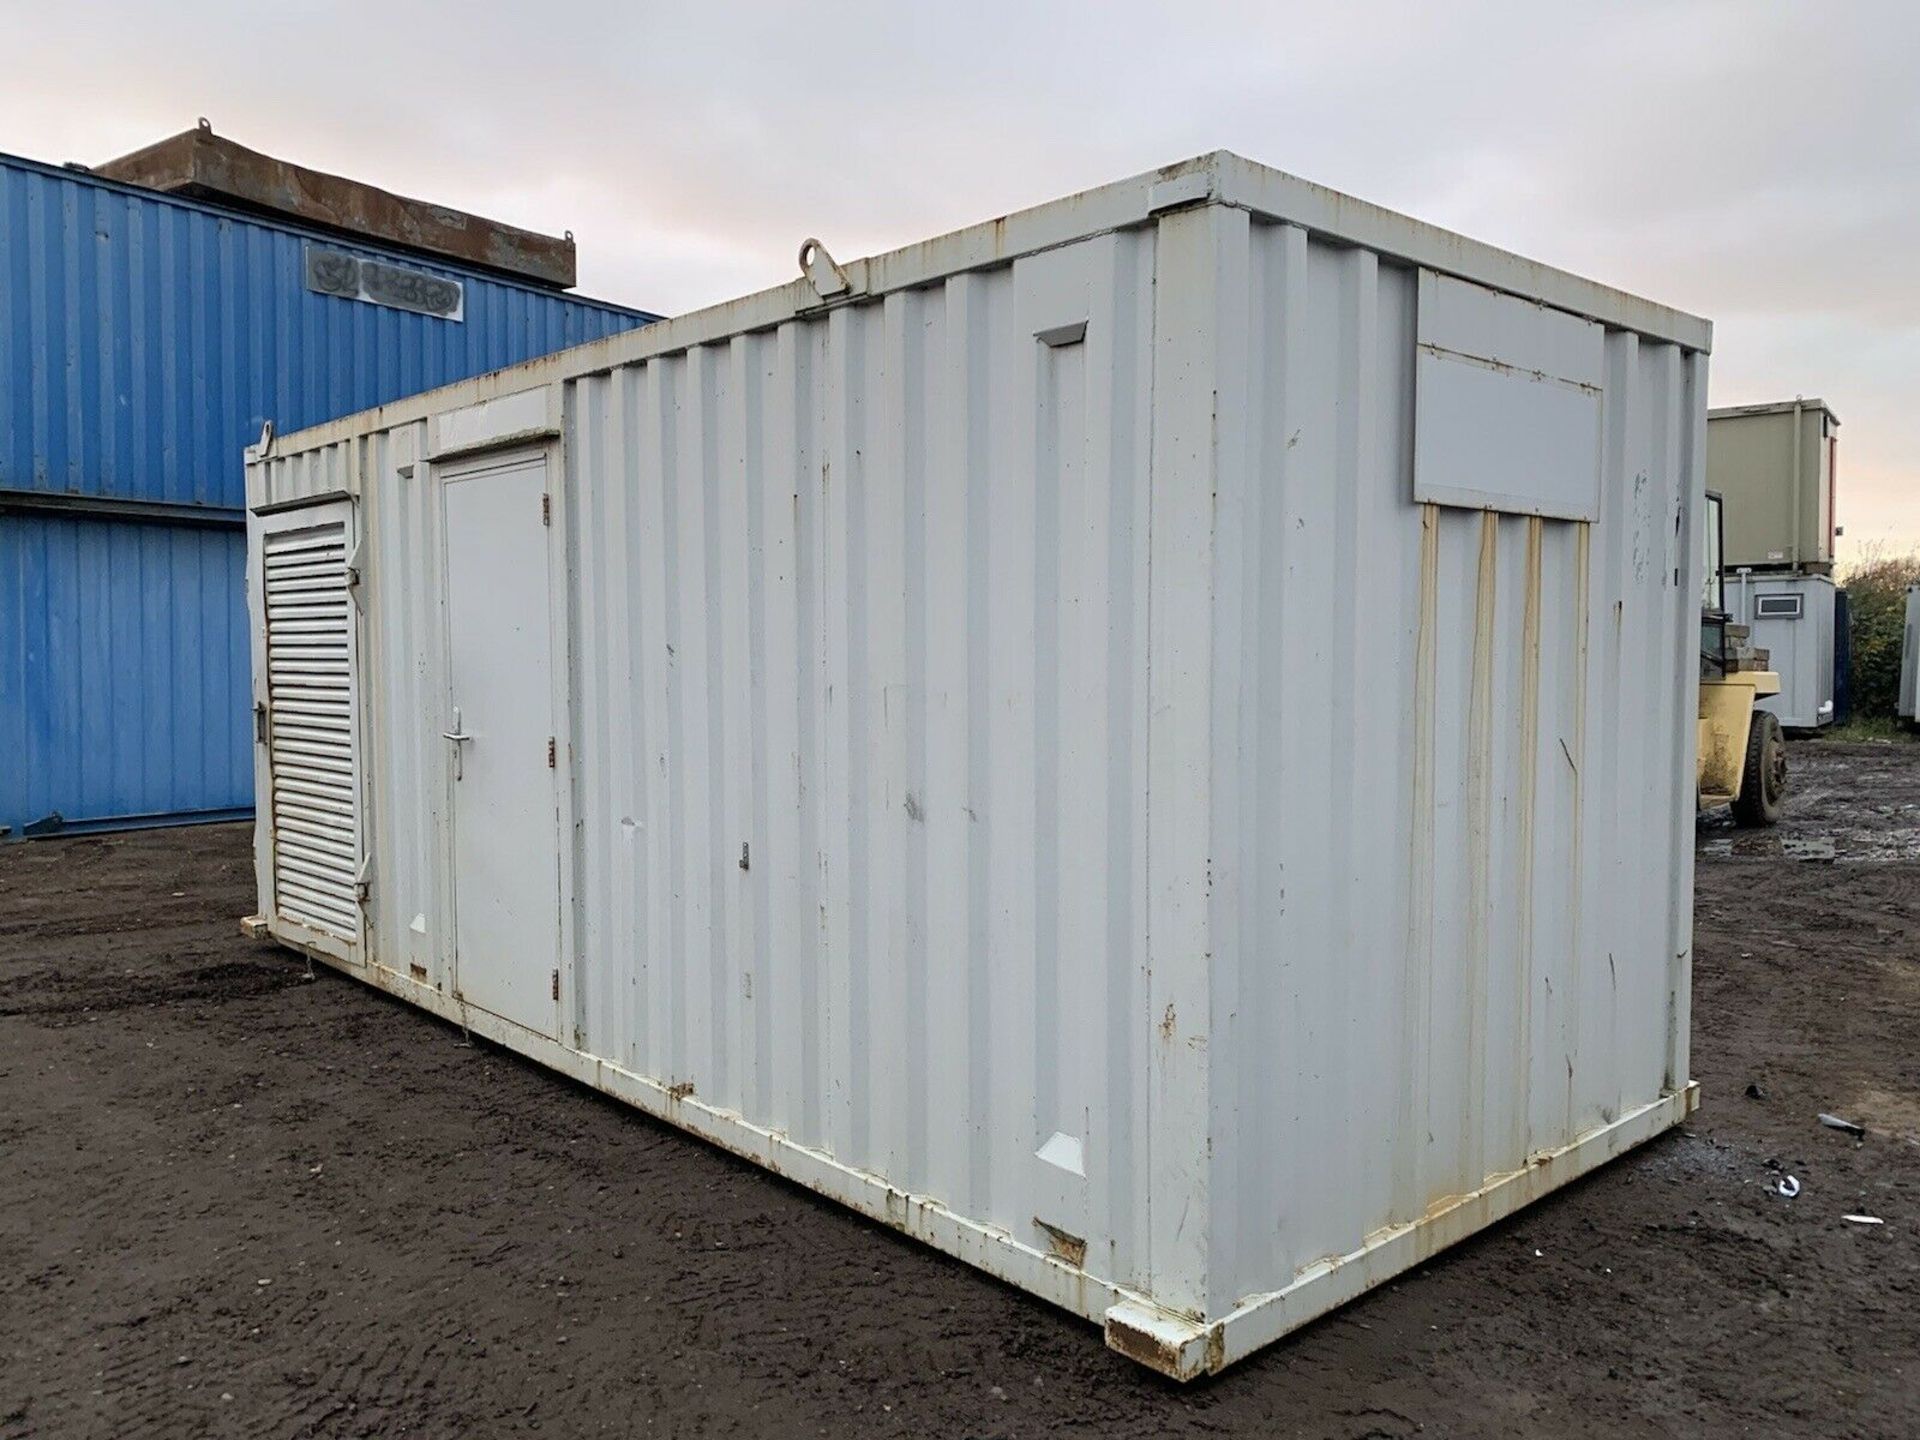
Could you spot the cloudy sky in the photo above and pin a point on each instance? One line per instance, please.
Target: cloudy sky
(1756, 163)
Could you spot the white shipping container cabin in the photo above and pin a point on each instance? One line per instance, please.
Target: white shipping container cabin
(1792, 618)
(1147, 744)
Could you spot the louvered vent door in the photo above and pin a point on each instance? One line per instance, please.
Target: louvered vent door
(312, 734)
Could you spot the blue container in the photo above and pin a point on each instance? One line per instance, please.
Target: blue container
(144, 339)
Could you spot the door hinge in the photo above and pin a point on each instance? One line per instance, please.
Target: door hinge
(555, 987)
(259, 722)
(546, 508)
(551, 752)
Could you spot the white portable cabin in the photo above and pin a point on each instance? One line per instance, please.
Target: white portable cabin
(1792, 618)
(1147, 744)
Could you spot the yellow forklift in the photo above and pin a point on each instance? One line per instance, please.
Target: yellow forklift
(1743, 756)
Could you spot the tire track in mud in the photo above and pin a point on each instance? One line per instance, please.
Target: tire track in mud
(55, 992)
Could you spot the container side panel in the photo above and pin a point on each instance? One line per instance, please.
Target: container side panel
(859, 614)
(947, 604)
(1228, 500)
(401, 526)
(1628, 848)
(1660, 527)
(1377, 423)
(598, 623)
(1295, 759)
(1691, 521)
(1330, 570)
(119, 645)
(1200, 281)
(1455, 777)
(648, 401)
(1374, 419)
(402, 695)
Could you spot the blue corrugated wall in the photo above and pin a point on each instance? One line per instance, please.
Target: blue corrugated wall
(125, 669)
(143, 341)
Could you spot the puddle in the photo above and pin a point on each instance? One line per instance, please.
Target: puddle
(1845, 845)
(1847, 804)
(1888, 845)
(1770, 845)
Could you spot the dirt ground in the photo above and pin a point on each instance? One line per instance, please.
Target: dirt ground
(236, 1201)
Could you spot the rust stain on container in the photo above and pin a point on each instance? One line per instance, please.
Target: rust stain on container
(1068, 1247)
(1144, 1348)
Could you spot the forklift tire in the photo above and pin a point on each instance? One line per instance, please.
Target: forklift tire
(1763, 783)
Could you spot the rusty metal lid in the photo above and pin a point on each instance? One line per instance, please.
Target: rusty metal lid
(201, 165)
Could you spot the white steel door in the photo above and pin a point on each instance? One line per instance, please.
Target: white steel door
(498, 734)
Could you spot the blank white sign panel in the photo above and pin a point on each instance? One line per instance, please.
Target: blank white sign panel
(1507, 399)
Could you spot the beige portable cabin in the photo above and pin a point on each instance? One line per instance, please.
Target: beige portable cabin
(1775, 468)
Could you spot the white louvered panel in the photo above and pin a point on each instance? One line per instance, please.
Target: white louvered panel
(310, 723)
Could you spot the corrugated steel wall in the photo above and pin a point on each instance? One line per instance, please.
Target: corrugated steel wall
(143, 340)
(1455, 763)
(123, 668)
(865, 593)
(868, 594)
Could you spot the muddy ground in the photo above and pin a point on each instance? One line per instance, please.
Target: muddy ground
(234, 1201)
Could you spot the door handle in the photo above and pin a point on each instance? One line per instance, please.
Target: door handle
(459, 737)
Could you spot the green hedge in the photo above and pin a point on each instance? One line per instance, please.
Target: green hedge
(1877, 599)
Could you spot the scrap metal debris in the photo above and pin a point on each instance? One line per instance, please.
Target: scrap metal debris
(1834, 1122)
